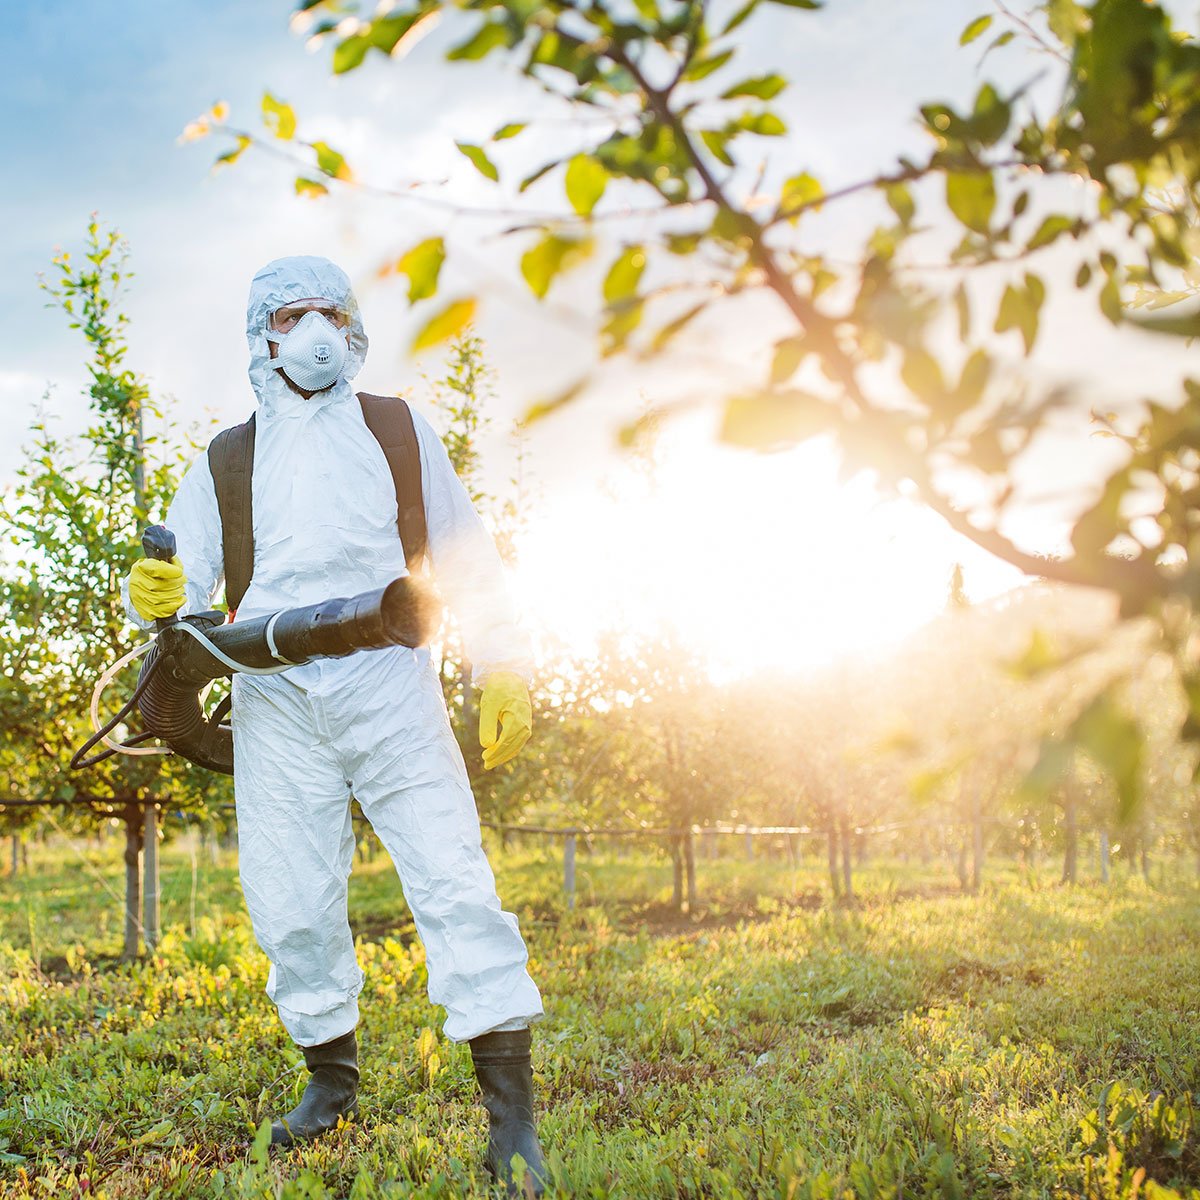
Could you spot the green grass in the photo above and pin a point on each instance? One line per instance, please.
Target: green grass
(1032, 1041)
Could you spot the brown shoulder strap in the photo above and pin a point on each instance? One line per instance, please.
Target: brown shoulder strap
(231, 461)
(390, 420)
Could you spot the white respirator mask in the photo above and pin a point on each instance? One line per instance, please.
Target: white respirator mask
(313, 353)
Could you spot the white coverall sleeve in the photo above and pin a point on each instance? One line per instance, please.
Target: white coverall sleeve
(467, 566)
(195, 520)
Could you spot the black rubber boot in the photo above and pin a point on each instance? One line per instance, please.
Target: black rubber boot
(506, 1079)
(332, 1092)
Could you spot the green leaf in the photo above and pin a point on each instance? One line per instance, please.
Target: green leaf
(1049, 230)
(566, 52)
(311, 188)
(715, 141)
(543, 261)
(1020, 308)
(774, 420)
(976, 372)
(669, 330)
(790, 352)
(231, 156)
(800, 192)
(624, 275)
(1110, 300)
(330, 162)
(385, 32)
(739, 17)
(348, 54)
(764, 87)
(488, 37)
(922, 375)
(1067, 20)
(585, 182)
(1114, 741)
(534, 176)
(1040, 656)
(991, 116)
(810, 4)
(279, 118)
(480, 160)
(700, 68)
(683, 243)
(507, 131)
(900, 201)
(543, 408)
(971, 197)
(1186, 325)
(975, 29)
(765, 124)
(423, 264)
(962, 306)
(626, 317)
(445, 324)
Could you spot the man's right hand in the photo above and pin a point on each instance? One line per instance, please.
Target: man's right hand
(156, 587)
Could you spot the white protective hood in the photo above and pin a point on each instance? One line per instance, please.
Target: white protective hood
(284, 281)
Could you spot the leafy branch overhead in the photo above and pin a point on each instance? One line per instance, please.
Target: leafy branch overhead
(967, 239)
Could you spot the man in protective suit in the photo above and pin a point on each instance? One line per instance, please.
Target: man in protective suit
(373, 724)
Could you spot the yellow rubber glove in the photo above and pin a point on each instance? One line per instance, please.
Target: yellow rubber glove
(505, 717)
(156, 587)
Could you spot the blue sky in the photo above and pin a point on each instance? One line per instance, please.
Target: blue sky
(95, 95)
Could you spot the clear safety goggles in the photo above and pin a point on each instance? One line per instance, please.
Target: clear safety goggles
(285, 319)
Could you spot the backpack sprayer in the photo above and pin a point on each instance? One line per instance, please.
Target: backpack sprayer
(188, 654)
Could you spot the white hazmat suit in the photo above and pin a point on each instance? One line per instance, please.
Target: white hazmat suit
(373, 724)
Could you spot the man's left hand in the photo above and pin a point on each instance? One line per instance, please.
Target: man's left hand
(505, 717)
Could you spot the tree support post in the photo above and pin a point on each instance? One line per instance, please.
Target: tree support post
(151, 916)
(689, 862)
(569, 868)
(132, 817)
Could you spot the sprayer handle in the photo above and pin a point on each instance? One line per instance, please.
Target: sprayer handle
(159, 542)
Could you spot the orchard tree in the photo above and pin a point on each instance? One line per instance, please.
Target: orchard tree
(75, 521)
(671, 148)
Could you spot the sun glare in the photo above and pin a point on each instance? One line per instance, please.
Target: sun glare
(755, 562)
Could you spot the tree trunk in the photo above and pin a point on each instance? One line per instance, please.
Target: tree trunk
(976, 840)
(960, 866)
(1070, 841)
(470, 715)
(677, 863)
(1103, 856)
(132, 816)
(1145, 861)
(847, 867)
(689, 858)
(16, 855)
(152, 917)
(832, 846)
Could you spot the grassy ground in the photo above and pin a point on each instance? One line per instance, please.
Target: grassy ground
(1031, 1041)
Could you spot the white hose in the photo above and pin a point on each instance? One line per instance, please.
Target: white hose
(107, 677)
(232, 663)
(94, 708)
